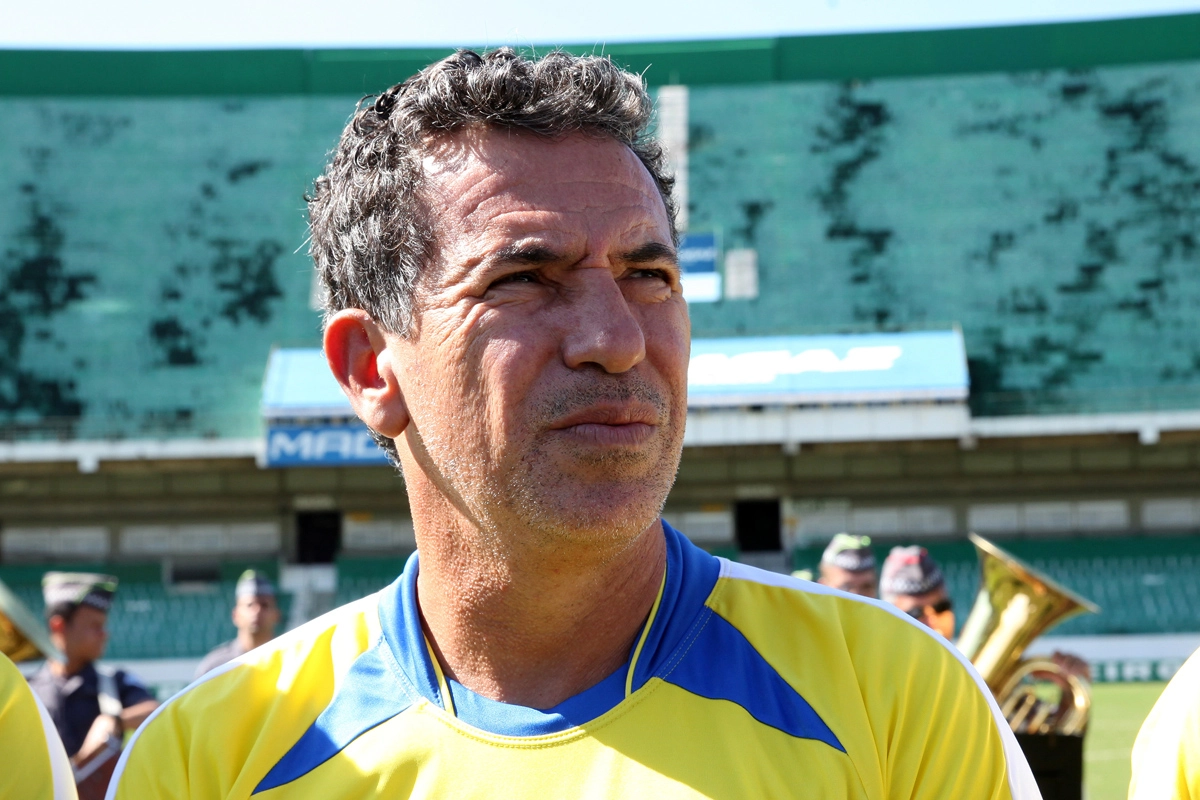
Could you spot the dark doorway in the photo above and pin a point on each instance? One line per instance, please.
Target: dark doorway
(757, 525)
(318, 536)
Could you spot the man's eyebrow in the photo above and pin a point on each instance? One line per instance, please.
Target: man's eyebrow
(652, 251)
(531, 254)
(538, 254)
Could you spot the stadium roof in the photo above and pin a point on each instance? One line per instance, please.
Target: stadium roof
(136, 24)
(1068, 45)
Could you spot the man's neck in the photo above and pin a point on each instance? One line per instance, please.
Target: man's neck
(248, 640)
(536, 629)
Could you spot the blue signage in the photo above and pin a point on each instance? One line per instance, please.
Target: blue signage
(698, 262)
(322, 445)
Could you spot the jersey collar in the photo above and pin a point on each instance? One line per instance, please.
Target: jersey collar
(690, 576)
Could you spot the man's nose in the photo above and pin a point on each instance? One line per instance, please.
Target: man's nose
(603, 330)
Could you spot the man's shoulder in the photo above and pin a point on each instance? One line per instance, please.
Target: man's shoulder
(281, 686)
(812, 608)
(341, 633)
(884, 682)
(301, 663)
(839, 636)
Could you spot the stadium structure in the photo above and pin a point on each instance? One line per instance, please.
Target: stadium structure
(940, 282)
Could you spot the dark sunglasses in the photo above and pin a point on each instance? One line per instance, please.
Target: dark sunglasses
(940, 607)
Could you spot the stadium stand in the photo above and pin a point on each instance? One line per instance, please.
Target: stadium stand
(1144, 584)
(359, 577)
(1065, 203)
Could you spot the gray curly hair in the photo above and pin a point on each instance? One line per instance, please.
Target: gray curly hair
(373, 232)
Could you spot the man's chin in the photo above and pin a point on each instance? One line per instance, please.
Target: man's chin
(605, 512)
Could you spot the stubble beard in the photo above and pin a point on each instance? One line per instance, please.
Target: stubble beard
(561, 495)
(573, 494)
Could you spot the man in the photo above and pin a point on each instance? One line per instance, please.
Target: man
(28, 738)
(255, 615)
(1166, 755)
(848, 564)
(913, 583)
(91, 708)
(496, 238)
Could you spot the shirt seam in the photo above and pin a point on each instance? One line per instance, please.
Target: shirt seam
(546, 740)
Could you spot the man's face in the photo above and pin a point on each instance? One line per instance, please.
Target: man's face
(81, 638)
(546, 374)
(863, 582)
(255, 613)
(931, 608)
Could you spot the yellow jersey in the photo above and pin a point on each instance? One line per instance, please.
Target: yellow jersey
(35, 765)
(742, 684)
(1166, 754)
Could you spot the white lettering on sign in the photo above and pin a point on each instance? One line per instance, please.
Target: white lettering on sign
(282, 445)
(336, 441)
(765, 366)
(330, 445)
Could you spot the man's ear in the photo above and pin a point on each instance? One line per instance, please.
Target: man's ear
(356, 349)
(56, 624)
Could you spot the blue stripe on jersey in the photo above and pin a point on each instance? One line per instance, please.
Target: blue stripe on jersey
(691, 576)
(721, 664)
(371, 694)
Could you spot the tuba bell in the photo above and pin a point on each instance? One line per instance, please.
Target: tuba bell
(22, 634)
(1015, 605)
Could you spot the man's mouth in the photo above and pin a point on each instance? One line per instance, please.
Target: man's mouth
(621, 424)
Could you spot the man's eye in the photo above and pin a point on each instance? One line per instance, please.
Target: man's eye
(516, 277)
(660, 274)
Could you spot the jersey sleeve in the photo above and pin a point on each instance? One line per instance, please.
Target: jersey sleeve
(913, 715)
(935, 721)
(28, 737)
(1166, 754)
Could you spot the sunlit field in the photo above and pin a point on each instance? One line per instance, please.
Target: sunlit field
(1117, 713)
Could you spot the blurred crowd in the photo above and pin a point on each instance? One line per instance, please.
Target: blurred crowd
(910, 579)
(94, 707)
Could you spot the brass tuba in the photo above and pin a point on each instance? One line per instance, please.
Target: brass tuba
(1015, 605)
(22, 634)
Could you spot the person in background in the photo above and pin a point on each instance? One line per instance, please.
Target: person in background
(848, 564)
(89, 706)
(255, 615)
(913, 583)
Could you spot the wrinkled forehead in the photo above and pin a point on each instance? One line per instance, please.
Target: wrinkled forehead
(507, 180)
